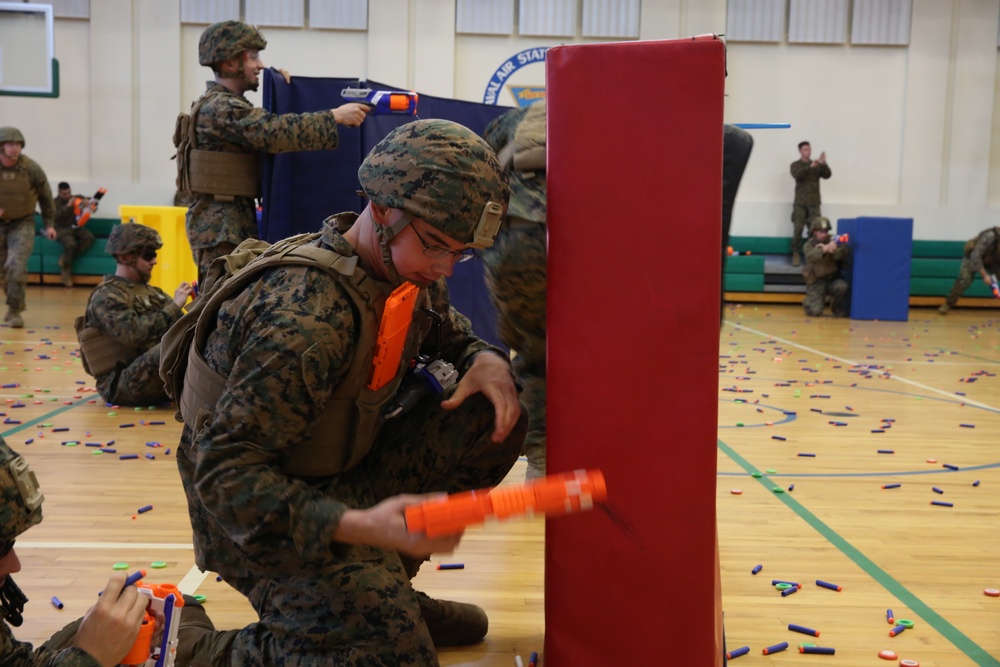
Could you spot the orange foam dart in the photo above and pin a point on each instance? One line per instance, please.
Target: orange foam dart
(396, 319)
(554, 495)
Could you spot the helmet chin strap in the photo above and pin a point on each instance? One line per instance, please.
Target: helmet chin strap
(12, 602)
(386, 233)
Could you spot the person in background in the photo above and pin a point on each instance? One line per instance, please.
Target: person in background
(824, 259)
(806, 206)
(220, 142)
(126, 317)
(73, 238)
(23, 186)
(981, 255)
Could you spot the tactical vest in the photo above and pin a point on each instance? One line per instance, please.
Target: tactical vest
(351, 420)
(225, 174)
(99, 352)
(17, 198)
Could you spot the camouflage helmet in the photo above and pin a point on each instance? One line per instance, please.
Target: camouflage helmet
(20, 499)
(9, 133)
(820, 222)
(227, 39)
(443, 173)
(132, 238)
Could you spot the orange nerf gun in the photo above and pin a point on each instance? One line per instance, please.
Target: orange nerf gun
(84, 208)
(554, 495)
(166, 602)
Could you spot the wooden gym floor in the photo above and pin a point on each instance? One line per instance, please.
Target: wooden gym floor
(786, 382)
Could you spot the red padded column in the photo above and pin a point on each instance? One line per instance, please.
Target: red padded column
(634, 215)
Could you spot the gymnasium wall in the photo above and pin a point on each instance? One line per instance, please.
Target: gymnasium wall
(909, 131)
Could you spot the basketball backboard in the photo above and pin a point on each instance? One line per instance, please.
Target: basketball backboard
(27, 63)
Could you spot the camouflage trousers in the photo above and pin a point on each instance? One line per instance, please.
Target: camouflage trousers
(138, 383)
(834, 287)
(802, 215)
(74, 242)
(198, 642)
(966, 276)
(516, 280)
(17, 240)
(356, 606)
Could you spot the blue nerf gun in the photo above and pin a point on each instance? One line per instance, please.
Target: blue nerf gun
(400, 102)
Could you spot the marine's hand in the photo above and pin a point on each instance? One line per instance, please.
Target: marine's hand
(285, 74)
(822, 157)
(490, 375)
(110, 627)
(351, 114)
(384, 526)
(182, 293)
(50, 233)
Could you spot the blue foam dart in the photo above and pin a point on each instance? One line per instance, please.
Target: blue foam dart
(763, 126)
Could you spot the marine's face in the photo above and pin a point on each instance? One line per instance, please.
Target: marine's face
(144, 263)
(411, 260)
(65, 194)
(806, 152)
(252, 67)
(12, 150)
(822, 235)
(9, 564)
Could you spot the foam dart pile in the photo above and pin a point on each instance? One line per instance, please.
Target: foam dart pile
(554, 495)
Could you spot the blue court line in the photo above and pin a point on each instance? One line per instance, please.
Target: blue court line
(44, 418)
(957, 638)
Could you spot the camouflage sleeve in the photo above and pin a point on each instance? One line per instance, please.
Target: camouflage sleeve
(458, 343)
(40, 184)
(984, 242)
(113, 311)
(238, 122)
(842, 252)
(21, 654)
(812, 251)
(799, 170)
(64, 216)
(824, 171)
(290, 343)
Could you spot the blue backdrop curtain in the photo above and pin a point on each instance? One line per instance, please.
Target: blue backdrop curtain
(301, 189)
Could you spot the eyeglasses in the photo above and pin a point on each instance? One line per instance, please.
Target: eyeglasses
(148, 255)
(463, 255)
(5, 547)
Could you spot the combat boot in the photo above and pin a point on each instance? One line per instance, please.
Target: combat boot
(945, 307)
(796, 258)
(453, 623)
(13, 319)
(535, 453)
(449, 623)
(66, 272)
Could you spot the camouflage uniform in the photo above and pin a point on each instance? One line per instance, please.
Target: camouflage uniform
(982, 252)
(807, 200)
(74, 239)
(197, 638)
(137, 315)
(822, 276)
(516, 280)
(228, 122)
(285, 344)
(17, 234)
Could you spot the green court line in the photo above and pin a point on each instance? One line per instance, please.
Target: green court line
(44, 418)
(975, 652)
